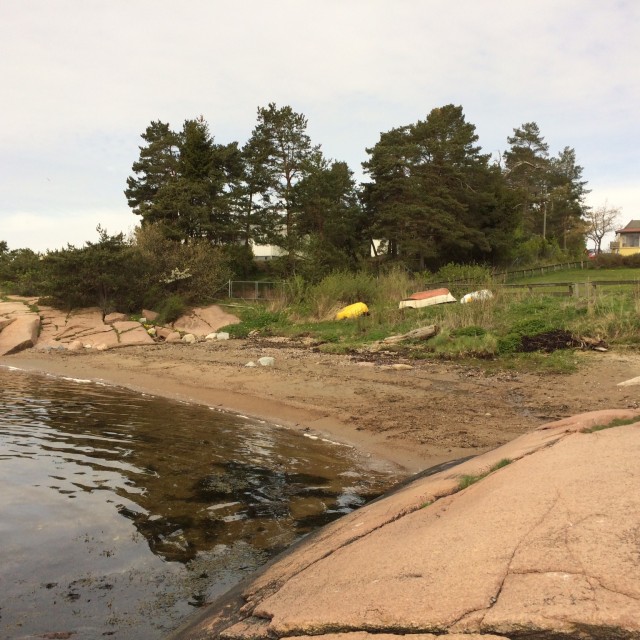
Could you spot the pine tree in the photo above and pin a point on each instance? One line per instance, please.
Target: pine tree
(157, 165)
(433, 195)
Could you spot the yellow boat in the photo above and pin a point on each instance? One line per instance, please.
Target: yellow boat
(353, 311)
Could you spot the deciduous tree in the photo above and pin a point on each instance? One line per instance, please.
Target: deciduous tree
(600, 221)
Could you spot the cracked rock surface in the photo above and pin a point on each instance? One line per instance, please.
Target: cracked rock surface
(546, 546)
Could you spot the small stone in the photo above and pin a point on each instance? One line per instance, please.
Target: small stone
(266, 361)
(211, 336)
(102, 347)
(222, 335)
(251, 363)
(151, 331)
(189, 338)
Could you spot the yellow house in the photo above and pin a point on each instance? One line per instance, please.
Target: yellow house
(627, 240)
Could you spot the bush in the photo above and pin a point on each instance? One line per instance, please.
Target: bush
(613, 260)
(473, 274)
(171, 309)
(339, 289)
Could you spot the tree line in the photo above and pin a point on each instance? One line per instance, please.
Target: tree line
(431, 196)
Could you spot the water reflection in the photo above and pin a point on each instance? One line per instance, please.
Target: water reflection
(114, 505)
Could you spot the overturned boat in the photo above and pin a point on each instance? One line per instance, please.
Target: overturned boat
(426, 299)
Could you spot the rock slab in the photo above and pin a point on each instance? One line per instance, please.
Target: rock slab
(544, 545)
(20, 334)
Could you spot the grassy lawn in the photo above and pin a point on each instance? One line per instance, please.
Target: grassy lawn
(581, 275)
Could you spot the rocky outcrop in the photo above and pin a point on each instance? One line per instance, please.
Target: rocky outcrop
(21, 333)
(537, 539)
(82, 329)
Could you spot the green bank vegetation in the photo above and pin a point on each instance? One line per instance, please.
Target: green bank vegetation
(517, 328)
(467, 480)
(502, 329)
(616, 422)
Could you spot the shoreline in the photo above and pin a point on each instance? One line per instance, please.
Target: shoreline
(409, 418)
(305, 421)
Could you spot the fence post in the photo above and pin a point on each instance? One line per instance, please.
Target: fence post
(230, 290)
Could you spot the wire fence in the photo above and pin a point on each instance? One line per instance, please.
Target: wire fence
(256, 290)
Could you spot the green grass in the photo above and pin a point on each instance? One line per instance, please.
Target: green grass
(488, 332)
(580, 275)
(617, 422)
(467, 480)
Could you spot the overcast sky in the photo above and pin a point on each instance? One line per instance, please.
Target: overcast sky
(82, 79)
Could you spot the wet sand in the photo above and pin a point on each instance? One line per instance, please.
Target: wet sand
(413, 417)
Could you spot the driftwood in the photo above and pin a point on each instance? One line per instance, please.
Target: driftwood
(423, 333)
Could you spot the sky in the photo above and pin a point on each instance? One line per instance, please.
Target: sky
(82, 79)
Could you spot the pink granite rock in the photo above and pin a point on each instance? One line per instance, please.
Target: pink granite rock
(544, 546)
(115, 317)
(203, 320)
(20, 334)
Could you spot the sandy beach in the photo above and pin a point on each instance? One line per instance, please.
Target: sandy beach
(412, 414)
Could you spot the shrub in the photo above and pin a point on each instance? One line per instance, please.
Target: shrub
(339, 289)
(171, 309)
(473, 274)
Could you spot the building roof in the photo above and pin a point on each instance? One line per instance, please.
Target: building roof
(632, 227)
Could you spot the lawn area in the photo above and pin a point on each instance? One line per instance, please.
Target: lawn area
(581, 275)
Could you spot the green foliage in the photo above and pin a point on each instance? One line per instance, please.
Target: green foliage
(532, 250)
(470, 274)
(339, 289)
(616, 422)
(126, 275)
(207, 267)
(470, 330)
(21, 272)
(256, 318)
(433, 196)
(616, 261)
(467, 480)
(170, 309)
(98, 274)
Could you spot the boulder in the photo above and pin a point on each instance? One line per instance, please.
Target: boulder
(138, 335)
(266, 361)
(189, 338)
(20, 334)
(152, 316)
(115, 317)
(202, 321)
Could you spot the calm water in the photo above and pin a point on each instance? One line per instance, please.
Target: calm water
(120, 513)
